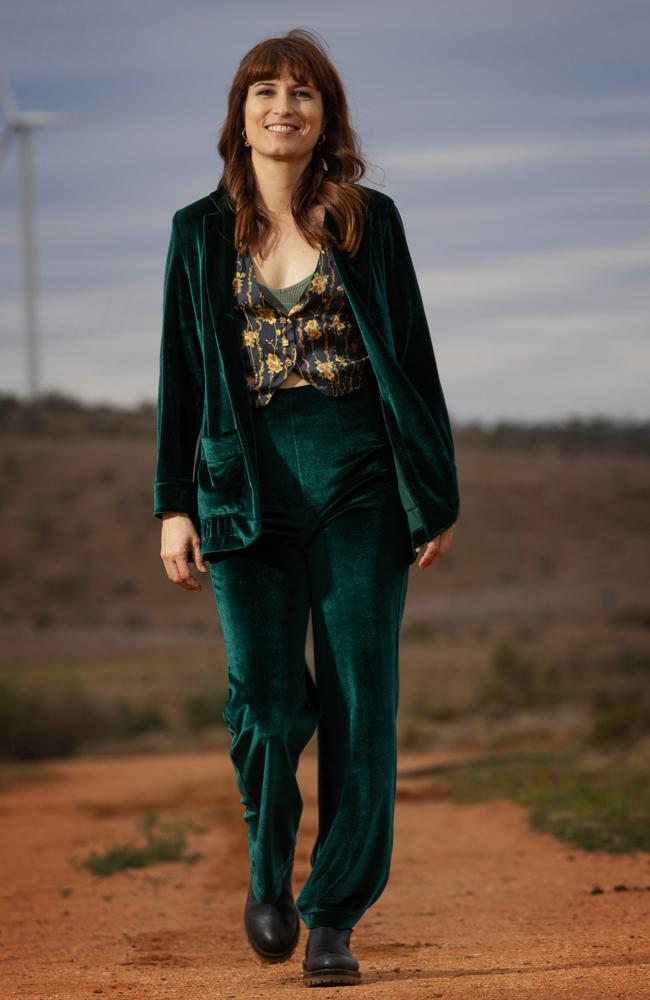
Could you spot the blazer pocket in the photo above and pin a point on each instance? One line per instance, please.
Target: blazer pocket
(220, 474)
(217, 449)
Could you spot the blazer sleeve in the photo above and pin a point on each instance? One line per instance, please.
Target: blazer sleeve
(416, 356)
(180, 388)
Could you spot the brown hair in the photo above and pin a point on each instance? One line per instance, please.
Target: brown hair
(336, 166)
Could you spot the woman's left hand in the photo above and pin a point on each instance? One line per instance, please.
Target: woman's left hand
(436, 548)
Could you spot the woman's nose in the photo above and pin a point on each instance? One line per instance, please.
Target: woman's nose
(282, 103)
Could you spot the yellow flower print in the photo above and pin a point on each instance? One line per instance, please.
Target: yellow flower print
(313, 329)
(338, 323)
(319, 282)
(249, 338)
(238, 282)
(273, 363)
(265, 313)
(326, 369)
(250, 381)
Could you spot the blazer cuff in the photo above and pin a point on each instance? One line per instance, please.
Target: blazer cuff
(174, 494)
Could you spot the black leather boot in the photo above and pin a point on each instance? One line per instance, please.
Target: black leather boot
(273, 929)
(328, 959)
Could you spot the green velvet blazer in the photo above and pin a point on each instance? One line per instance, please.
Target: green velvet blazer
(206, 462)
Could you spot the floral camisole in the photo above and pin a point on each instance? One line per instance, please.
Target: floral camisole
(319, 335)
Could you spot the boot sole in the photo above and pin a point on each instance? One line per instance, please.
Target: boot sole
(332, 977)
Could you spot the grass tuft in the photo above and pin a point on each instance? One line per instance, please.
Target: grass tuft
(604, 807)
(165, 843)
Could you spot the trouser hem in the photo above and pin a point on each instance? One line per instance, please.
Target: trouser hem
(340, 919)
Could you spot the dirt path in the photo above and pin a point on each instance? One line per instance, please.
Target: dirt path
(477, 905)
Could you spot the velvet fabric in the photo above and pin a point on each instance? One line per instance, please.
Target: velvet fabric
(335, 539)
(207, 463)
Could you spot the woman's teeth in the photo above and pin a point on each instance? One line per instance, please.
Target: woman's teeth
(282, 128)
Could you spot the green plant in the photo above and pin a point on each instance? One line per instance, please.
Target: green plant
(514, 680)
(167, 843)
(203, 710)
(58, 719)
(620, 716)
(604, 807)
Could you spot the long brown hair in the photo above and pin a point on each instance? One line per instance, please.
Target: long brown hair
(329, 180)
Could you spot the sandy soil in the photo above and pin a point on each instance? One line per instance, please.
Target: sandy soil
(477, 905)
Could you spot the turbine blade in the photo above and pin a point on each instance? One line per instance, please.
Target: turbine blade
(45, 119)
(7, 98)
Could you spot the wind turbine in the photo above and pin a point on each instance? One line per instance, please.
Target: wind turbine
(20, 125)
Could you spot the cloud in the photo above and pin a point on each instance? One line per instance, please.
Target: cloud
(514, 153)
(546, 274)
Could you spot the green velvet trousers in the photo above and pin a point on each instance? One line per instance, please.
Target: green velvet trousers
(335, 543)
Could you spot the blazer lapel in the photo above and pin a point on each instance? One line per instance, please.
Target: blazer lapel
(220, 259)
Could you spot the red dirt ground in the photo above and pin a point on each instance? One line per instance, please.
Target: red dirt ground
(477, 905)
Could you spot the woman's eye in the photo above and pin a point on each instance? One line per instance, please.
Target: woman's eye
(267, 90)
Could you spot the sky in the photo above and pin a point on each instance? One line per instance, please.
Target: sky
(513, 135)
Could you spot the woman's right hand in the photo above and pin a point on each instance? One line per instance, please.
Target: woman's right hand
(178, 537)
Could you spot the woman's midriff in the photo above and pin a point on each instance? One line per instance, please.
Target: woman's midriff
(292, 379)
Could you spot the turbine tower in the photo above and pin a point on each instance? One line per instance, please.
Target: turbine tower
(20, 125)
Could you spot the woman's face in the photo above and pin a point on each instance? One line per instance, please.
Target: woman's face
(272, 103)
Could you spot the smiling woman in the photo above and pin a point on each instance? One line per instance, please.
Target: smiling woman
(309, 502)
(286, 110)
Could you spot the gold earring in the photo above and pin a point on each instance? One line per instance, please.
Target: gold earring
(320, 141)
(243, 132)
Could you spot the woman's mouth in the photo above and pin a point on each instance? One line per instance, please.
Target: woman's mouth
(282, 129)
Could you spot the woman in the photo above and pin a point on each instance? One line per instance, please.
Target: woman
(295, 353)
